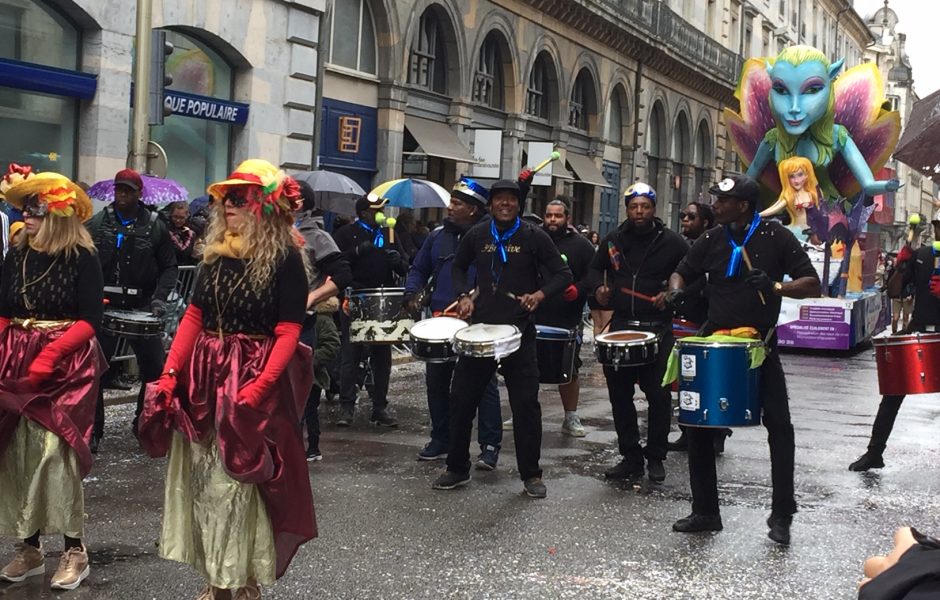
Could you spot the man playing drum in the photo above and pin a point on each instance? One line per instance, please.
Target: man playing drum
(517, 267)
(565, 311)
(745, 260)
(922, 269)
(628, 274)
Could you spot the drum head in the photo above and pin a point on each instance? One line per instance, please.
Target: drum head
(131, 315)
(485, 332)
(626, 337)
(437, 328)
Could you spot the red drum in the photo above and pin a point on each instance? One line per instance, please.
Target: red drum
(908, 364)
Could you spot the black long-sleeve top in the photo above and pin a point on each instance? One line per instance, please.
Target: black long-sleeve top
(639, 261)
(56, 287)
(229, 303)
(375, 267)
(918, 271)
(533, 264)
(556, 311)
(731, 302)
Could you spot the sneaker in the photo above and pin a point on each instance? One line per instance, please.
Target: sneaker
(28, 561)
(488, 458)
(251, 591)
(450, 480)
(95, 442)
(534, 488)
(507, 424)
(433, 450)
(313, 454)
(867, 461)
(680, 445)
(573, 427)
(779, 529)
(210, 593)
(695, 523)
(381, 418)
(656, 470)
(72, 570)
(624, 470)
(346, 416)
(719, 440)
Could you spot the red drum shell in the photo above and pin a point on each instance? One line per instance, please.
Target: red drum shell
(908, 364)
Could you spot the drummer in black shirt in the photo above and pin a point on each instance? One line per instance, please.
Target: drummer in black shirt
(639, 256)
(748, 297)
(508, 254)
(918, 269)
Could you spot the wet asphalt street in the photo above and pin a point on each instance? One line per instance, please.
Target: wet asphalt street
(385, 534)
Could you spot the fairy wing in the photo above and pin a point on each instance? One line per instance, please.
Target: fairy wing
(860, 107)
(748, 128)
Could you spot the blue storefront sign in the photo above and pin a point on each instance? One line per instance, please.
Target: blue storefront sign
(47, 80)
(348, 144)
(205, 107)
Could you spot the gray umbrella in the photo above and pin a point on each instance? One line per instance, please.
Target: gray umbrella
(919, 147)
(332, 191)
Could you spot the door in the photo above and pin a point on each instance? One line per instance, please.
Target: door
(609, 217)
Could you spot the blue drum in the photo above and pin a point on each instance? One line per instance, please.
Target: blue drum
(717, 387)
(555, 349)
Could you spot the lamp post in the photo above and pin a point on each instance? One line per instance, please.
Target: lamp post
(141, 126)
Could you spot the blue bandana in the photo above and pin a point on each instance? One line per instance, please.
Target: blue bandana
(378, 238)
(120, 236)
(734, 263)
(500, 239)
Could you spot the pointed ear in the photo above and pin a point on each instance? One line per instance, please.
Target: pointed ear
(769, 66)
(835, 67)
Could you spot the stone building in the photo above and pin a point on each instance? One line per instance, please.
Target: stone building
(244, 84)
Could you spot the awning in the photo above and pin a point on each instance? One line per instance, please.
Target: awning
(585, 170)
(919, 147)
(437, 139)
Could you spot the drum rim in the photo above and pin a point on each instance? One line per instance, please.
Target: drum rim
(440, 339)
(514, 333)
(379, 291)
(752, 344)
(654, 337)
(907, 339)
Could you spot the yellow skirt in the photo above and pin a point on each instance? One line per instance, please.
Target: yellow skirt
(213, 523)
(40, 485)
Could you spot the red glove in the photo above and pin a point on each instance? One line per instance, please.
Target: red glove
(285, 343)
(165, 386)
(526, 175)
(571, 293)
(184, 341)
(904, 255)
(3, 323)
(935, 285)
(70, 341)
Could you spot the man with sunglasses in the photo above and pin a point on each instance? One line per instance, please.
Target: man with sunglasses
(635, 259)
(138, 262)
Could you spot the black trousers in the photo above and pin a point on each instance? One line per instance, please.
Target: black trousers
(620, 384)
(884, 423)
(776, 418)
(350, 357)
(520, 370)
(150, 359)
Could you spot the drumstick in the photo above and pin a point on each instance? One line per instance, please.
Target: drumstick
(553, 156)
(636, 294)
(473, 296)
(747, 262)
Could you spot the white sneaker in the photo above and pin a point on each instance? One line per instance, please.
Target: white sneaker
(573, 427)
(507, 424)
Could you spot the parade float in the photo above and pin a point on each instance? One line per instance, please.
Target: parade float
(815, 138)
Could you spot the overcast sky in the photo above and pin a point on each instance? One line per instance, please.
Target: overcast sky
(917, 19)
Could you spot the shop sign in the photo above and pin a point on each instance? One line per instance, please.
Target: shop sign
(487, 150)
(538, 152)
(350, 130)
(204, 107)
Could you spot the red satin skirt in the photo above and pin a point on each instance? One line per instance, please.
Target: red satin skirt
(63, 404)
(262, 446)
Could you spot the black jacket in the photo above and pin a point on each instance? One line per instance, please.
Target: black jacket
(577, 252)
(145, 260)
(371, 267)
(639, 262)
(917, 271)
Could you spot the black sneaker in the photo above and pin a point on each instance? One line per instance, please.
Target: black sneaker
(867, 461)
(695, 523)
(346, 417)
(313, 454)
(624, 470)
(450, 480)
(719, 440)
(779, 529)
(95, 442)
(488, 458)
(383, 419)
(534, 488)
(433, 450)
(656, 470)
(680, 445)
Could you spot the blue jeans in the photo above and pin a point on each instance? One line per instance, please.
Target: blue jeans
(490, 421)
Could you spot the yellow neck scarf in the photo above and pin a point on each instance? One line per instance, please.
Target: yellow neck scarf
(230, 246)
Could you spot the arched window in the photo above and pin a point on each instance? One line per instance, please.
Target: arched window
(428, 66)
(703, 158)
(656, 151)
(581, 95)
(538, 94)
(488, 82)
(353, 36)
(36, 34)
(616, 116)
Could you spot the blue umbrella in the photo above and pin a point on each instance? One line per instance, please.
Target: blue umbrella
(412, 193)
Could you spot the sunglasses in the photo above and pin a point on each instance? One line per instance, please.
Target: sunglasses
(688, 215)
(239, 196)
(32, 207)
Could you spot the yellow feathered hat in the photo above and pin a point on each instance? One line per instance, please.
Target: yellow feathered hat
(271, 190)
(63, 197)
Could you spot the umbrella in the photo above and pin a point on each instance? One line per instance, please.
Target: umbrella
(332, 192)
(156, 191)
(919, 146)
(413, 193)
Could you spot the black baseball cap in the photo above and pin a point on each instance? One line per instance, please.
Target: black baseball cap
(737, 185)
(505, 185)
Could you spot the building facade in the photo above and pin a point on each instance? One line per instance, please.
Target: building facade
(244, 84)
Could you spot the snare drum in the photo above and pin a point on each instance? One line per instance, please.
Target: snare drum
(626, 348)
(376, 317)
(132, 323)
(717, 386)
(487, 341)
(908, 364)
(431, 339)
(555, 349)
